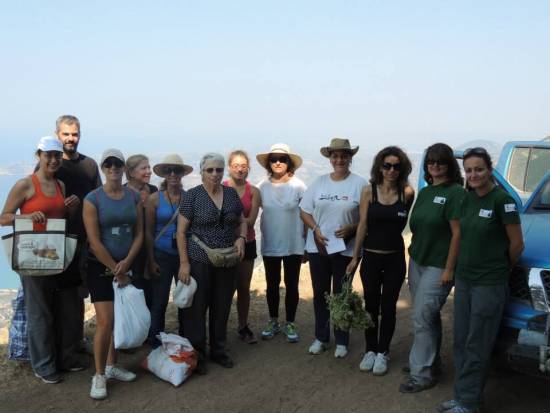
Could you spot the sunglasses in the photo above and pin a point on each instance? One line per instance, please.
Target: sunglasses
(176, 170)
(474, 151)
(395, 166)
(211, 170)
(110, 162)
(237, 166)
(280, 159)
(433, 162)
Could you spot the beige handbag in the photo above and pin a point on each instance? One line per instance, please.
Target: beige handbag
(219, 257)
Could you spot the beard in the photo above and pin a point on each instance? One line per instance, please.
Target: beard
(70, 149)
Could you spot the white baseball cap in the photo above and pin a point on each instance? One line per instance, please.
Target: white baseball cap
(49, 143)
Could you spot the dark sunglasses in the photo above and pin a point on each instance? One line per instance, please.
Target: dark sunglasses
(211, 170)
(176, 170)
(474, 151)
(433, 162)
(110, 162)
(387, 166)
(280, 159)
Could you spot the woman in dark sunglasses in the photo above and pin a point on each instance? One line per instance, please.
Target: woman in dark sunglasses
(433, 252)
(113, 218)
(491, 243)
(383, 212)
(138, 176)
(282, 235)
(161, 214)
(212, 214)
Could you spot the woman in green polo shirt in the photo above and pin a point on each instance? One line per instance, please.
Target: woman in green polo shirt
(491, 243)
(433, 251)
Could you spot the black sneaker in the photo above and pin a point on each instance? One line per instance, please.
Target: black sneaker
(246, 335)
(53, 378)
(223, 360)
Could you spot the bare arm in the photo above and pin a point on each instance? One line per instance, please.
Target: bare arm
(309, 221)
(454, 246)
(185, 267)
(361, 229)
(256, 199)
(241, 235)
(21, 191)
(150, 223)
(516, 242)
(91, 224)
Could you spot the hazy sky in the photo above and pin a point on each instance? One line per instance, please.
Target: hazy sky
(190, 75)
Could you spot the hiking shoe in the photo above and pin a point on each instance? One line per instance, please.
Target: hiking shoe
(53, 378)
(246, 335)
(380, 366)
(99, 387)
(367, 363)
(317, 347)
(447, 405)
(223, 360)
(119, 373)
(341, 351)
(412, 385)
(271, 329)
(290, 332)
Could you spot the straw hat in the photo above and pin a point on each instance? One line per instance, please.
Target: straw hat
(171, 160)
(280, 148)
(338, 144)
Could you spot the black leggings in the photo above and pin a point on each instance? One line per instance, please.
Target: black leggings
(291, 265)
(382, 276)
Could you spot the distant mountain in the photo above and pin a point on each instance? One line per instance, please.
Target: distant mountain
(20, 168)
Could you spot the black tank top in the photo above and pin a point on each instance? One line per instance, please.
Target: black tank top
(385, 223)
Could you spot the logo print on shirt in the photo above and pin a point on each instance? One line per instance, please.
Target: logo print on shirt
(510, 208)
(440, 200)
(485, 213)
(402, 214)
(329, 197)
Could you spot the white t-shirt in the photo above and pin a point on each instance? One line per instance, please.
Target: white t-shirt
(280, 223)
(333, 204)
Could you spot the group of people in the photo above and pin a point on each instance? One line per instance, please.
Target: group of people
(137, 233)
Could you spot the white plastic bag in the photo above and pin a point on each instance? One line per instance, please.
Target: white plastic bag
(183, 293)
(132, 317)
(173, 361)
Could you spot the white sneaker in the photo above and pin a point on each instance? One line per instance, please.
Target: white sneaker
(368, 361)
(341, 351)
(119, 373)
(99, 387)
(317, 347)
(380, 365)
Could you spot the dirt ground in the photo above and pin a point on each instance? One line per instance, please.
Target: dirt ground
(272, 376)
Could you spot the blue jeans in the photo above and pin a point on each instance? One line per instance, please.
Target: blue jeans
(160, 292)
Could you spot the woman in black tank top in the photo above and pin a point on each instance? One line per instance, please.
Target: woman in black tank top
(384, 210)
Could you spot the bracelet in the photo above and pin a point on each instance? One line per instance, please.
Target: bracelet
(243, 237)
(315, 227)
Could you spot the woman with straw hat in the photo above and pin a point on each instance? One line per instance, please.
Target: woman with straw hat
(282, 235)
(330, 209)
(161, 214)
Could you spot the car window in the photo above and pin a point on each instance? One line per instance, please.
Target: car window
(542, 201)
(527, 167)
(539, 164)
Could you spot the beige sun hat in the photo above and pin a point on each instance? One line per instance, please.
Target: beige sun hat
(281, 148)
(338, 144)
(171, 160)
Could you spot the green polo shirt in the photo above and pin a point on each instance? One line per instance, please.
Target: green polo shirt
(483, 257)
(435, 206)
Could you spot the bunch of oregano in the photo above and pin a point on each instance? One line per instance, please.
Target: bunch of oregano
(346, 308)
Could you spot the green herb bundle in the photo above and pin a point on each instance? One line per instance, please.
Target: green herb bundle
(346, 308)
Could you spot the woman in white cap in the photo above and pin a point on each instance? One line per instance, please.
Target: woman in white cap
(113, 218)
(282, 235)
(138, 176)
(52, 314)
(161, 215)
(330, 209)
(239, 166)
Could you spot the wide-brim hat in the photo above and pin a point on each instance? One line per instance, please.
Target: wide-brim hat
(112, 153)
(171, 160)
(338, 144)
(280, 148)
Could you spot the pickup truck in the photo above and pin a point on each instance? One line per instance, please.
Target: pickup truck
(523, 170)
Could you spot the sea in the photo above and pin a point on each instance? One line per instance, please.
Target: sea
(8, 278)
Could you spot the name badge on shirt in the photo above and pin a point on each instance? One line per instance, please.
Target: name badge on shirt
(115, 230)
(440, 200)
(485, 213)
(402, 214)
(510, 208)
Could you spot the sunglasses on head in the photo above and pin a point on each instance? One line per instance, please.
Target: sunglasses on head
(387, 166)
(280, 159)
(211, 170)
(475, 151)
(110, 162)
(433, 162)
(176, 170)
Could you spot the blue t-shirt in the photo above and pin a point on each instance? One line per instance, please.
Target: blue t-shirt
(117, 218)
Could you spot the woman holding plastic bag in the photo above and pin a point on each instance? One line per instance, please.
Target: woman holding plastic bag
(213, 214)
(113, 218)
(53, 318)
